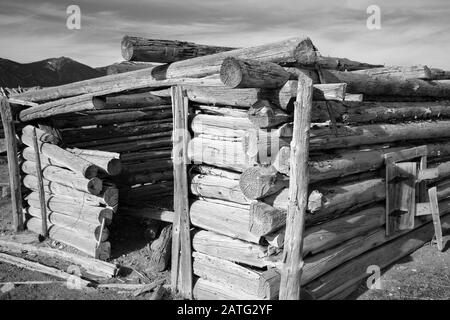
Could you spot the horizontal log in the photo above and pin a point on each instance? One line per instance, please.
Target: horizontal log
(388, 86)
(299, 50)
(82, 228)
(95, 134)
(93, 144)
(146, 192)
(265, 116)
(209, 290)
(71, 206)
(217, 172)
(220, 111)
(126, 66)
(125, 101)
(108, 197)
(224, 219)
(77, 121)
(235, 250)
(210, 186)
(67, 236)
(234, 276)
(136, 145)
(344, 64)
(64, 158)
(411, 72)
(94, 267)
(164, 51)
(94, 153)
(148, 212)
(347, 136)
(165, 174)
(260, 181)
(244, 73)
(439, 74)
(145, 155)
(65, 177)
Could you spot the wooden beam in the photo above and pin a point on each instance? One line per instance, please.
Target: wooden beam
(298, 193)
(244, 73)
(181, 240)
(13, 164)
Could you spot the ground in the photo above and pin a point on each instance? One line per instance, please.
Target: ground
(425, 274)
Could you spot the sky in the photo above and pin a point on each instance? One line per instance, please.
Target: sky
(412, 31)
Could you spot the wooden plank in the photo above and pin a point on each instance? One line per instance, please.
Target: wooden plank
(13, 164)
(298, 193)
(43, 206)
(434, 206)
(181, 241)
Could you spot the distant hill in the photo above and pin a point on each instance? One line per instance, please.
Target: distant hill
(45, 73)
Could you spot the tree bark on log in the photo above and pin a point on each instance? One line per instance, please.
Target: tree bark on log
(125, 101)
(243, 73)
(412, 72)
(65, 177)
(67, 236)
(164, 51)
(295, 50)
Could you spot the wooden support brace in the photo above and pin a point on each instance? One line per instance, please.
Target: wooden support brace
(292, 261)
(13, 163)
(181, 276)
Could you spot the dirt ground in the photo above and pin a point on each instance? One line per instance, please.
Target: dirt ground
(425, 274)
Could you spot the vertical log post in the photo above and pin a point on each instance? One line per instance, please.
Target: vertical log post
(40, 185)
(298, 193)
(181, 276)
(13, 163)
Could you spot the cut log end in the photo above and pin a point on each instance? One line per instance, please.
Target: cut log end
(91, 171)
(95, 186)
(231, 73)
(259, 182)
(127, 49)
(114, 167)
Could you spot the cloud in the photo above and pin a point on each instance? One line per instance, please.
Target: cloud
(413, 32)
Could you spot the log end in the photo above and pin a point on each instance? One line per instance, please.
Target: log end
(114, 167)
(305, 53)
(127, 48)
(103, 251)
(95, 186)
(258, 182)
(91, 171)
(231, 72)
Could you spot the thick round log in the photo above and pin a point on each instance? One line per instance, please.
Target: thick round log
(63, 158)
(63, 106)
(125, 101)
(261, 181)
(299, 50)
(217, 187)
(107, 197)
(83, 228)
(65, 177)
(164, 51)
(388, 86)
(68, 237)
(243, 73)
(72, 206)
(264, 115)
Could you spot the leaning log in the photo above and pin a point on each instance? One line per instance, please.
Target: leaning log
(134, 100)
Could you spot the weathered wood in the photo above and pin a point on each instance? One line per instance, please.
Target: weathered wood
(63, 106)
(298, 193)
(299, 50)
(94, 153)
(93, 144)
(164, 51)
(126, 66)
(388, 86)
(13, 165)
(148, 212)
(136, 145)
(145, 155)
(181, 241)
(343, 64)
(209, 290)
(160, 250)
(37, 267)
(40, 184)
(72, 206)
(355, 269)
(108, 196)
(411, 72)
(263, 115)
(125, 101)
(67, 236)
(81, 227)
(77, 121)
(234, 276)
(244, 73)
(65, 177)
(439, 74)
(210, 186)
(265, 219)
(223, 218)
(259, 182)
(64, 158)
(220, 111)
(217, 172)
(219, 246)
(92, 266)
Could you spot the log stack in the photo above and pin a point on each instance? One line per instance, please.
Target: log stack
(71, 190)
(240, 176)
